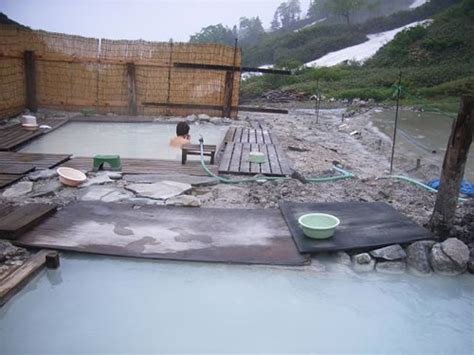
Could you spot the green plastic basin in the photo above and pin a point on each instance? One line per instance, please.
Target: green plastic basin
(257, 157)
(318, 225)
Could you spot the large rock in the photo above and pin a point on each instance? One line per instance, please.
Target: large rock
(418, 256)
(42, 174)
(95, 193)
(47, 189)
(184, 201)
(195, 181)
(19, 189)
(162, 190)
(363, 262)
(343, 258)
(391, 267)
(390, 253)
(117, 196)
(96, 180)
(449, 257)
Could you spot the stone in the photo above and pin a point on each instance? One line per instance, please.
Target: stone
(114, 175)
(184, 201)
(203, 117)
(449, 257)
(142, 201)
(194, 181)
(48, 189)
(391, 267)
(363, 258)
(363, 262)
(160, 190)
(19, 189)
(42, 174)
(390, 253)
(418, 256)
(95, 193)
(191, 118)
(343, 258)
(116, 196)
(215, 120)
(96, 180)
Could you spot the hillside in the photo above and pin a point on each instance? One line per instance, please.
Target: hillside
(436, 63)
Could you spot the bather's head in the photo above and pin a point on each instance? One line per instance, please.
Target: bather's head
(182, 129)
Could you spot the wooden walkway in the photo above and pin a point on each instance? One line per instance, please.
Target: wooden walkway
(146, 166)
(14, 136)
(13, 166)
(239, 142)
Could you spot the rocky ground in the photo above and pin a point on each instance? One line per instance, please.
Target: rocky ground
(345, 136)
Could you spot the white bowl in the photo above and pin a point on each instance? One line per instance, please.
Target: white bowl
(30, 126)
(70, 176)
(29, 119)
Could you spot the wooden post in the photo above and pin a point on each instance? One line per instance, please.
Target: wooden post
(453, 167)
(132, 89)
(396, 121)
(30, 80)
(52, 260)
(229, 87)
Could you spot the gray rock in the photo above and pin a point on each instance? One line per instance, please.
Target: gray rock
(390, 253)
(116, 196)
(96, 180)
(48, 189)
(162, 190)
(363, 258)
(418, 256)
(19, 189)
(114, 175)
(141, 201)
(215, 120)
(454, 263)
(42, 174)
(457, 251)
(95, 193)
(184, 201)
(195, 181)
(391, 267)
(203, 117)
(343, 258)
(191, 118)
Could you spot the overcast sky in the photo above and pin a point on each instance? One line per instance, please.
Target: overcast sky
(154, 20)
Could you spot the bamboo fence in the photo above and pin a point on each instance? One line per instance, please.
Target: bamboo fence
(74, 73)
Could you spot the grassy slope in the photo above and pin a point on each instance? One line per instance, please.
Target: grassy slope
(436, 64)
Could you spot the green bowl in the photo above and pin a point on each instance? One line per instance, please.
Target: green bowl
(257, 157)
(318, 225)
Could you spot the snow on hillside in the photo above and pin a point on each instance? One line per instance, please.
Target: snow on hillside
(418, 3)
(246, 75)
(363, 51)
(310, 24)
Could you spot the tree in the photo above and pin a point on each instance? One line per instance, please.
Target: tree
(275, 25)
(344, 8)
(250, 29)
(286, 13)
(317, 9)
(214, 34)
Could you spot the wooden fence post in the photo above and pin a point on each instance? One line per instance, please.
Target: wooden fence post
(228, 92)
(132, 89)
(453, 167)
(30, 80)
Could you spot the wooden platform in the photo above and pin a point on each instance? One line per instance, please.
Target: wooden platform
(8, 179)
(239, 142)
(145, 166)
(250, 236)
(14, 136)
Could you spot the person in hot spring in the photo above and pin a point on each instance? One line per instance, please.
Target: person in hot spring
(182, 136)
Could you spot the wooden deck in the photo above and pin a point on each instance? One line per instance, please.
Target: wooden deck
(239, 142)
(14, 136)
(146, 166)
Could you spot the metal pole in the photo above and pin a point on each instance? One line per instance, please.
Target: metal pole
(396, 121)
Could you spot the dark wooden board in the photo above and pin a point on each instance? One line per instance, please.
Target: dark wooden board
(34, 160)
(252, 236)
(15, 169)
(146, 166)
(16, 220)
(8, 179)
(363, 225)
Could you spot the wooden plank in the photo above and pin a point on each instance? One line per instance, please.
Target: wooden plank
(245, 135)
(30, 81)
(265, 167)
(15, 169)
(244, 159)
(252, 136)
(228, 90)
(255, 168)
(259, 136)
(238, 135)
(32, 160)
(8, 179)
(273, 160)
(229, 136)
(236, 158)
(231, 68)
(13, 283)
(266, 136)
(285, 164)
(21, 218)
(224, 165)
(132, 89)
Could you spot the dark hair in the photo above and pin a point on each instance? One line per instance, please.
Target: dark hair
(182, 129)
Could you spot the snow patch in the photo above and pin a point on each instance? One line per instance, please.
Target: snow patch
(311, 24)
(417, 3)
(247, 75)
(363, 51)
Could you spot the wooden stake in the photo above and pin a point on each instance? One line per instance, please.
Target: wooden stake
(132, 89)
(396, 121)
(52, 260)
(453, 168)
(229, 87)
(30, 80)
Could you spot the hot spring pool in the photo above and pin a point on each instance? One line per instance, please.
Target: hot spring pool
(96, 304)
(146, 140)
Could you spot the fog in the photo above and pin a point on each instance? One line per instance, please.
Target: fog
(154, 20)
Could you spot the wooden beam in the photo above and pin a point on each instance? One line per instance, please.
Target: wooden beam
(132, 89)
(217, 107)
(15, 281)
(453, 168)
(231, 68)
(30, 80)
(228, 90)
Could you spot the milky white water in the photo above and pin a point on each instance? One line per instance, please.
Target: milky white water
(96, 304)
(363, 51)
(129, 140)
